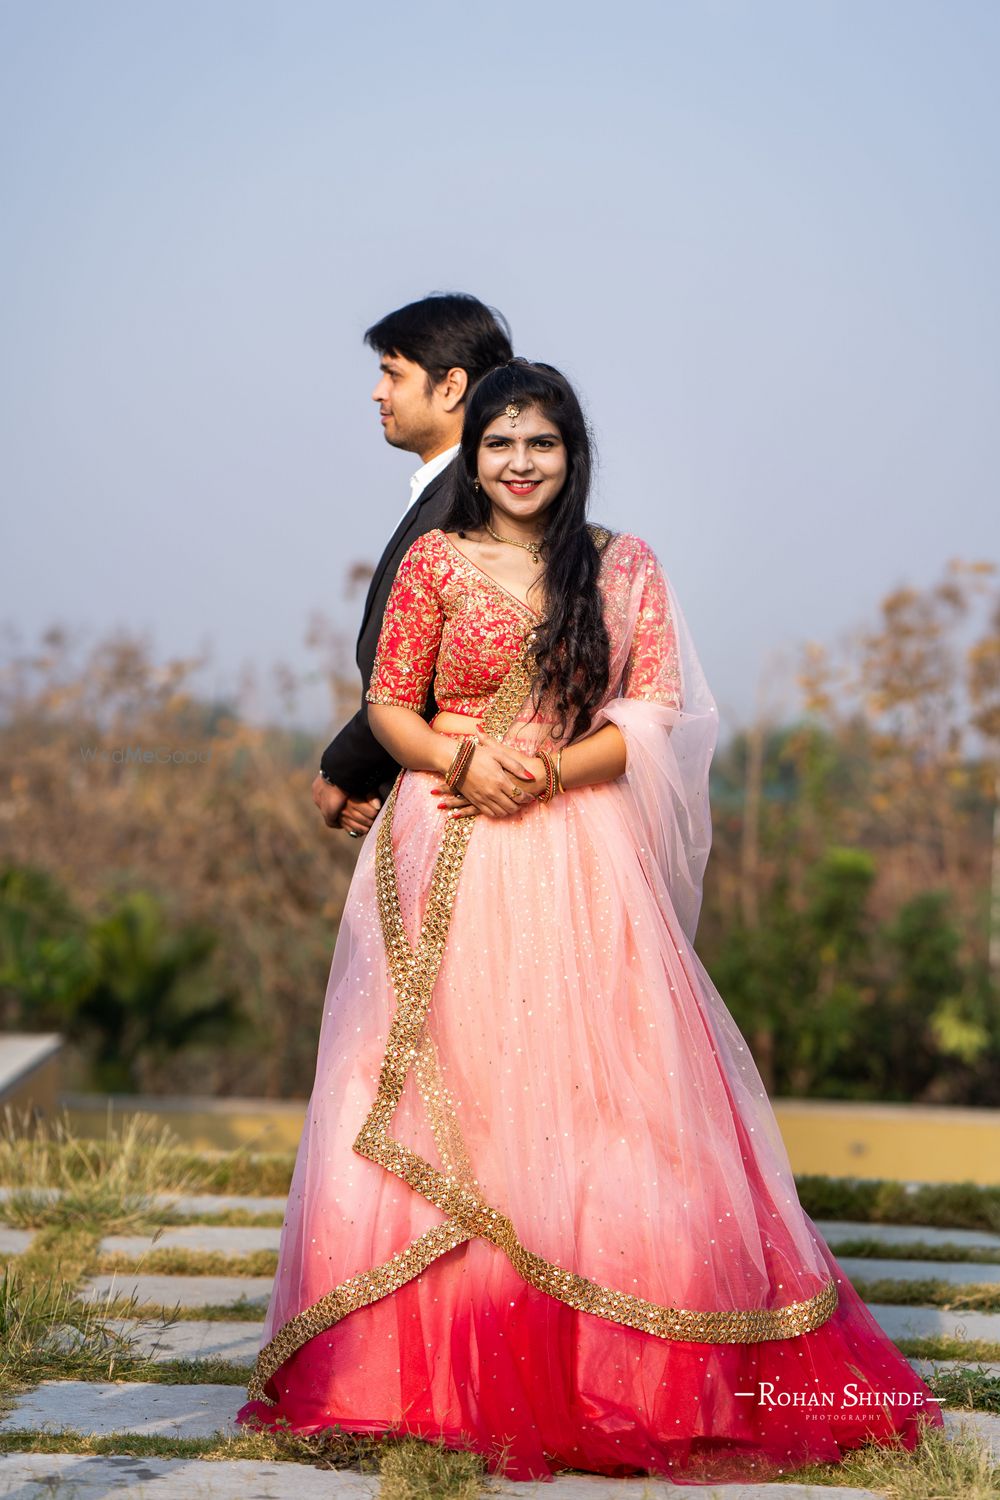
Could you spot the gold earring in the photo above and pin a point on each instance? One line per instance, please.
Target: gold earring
(476, 486)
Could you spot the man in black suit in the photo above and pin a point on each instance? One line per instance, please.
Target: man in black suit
(432, 352)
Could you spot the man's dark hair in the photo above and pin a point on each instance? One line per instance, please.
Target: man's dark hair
(442, 332)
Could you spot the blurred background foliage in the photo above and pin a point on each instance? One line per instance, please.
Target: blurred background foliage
(176, 921)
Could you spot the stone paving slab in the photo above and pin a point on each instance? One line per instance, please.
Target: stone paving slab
(905, 1234)
(957, 1272)
(184, 1203)
(189, 1339)
(36, 1192)
(925, 1367)
(187, 1291)
(932, 1322)
(15, 1241)
(216, 1237)
(35, 1476)
(205, 1291)
(985, 1424)
(219, 1203)
(98, 1409)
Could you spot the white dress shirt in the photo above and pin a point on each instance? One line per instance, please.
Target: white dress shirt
(428, 471)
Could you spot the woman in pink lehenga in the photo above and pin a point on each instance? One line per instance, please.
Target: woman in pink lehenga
(541, 1206)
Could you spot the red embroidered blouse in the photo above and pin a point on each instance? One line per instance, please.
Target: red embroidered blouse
(445, 616)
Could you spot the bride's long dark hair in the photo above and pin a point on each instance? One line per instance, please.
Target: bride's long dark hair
(571, 643)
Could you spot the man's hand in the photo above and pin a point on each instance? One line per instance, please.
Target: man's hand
(354, 814)
(331, 801)
(357, 816)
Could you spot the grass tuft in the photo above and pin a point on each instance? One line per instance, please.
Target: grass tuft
(864, 1249)
(944, 1466)
(945, 1205)
(968, 1389)
(181, 1262)
(38, 1154)
(106, 1185)
(948, 1346)
(45, 1334)
(949, 1295)
(242, 1311)
(415, 1470)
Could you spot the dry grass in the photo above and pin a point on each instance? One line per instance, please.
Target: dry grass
(45, 1334)
(959, 1466)
(177, 1262)
(241, 1311)
(953, 1205)
(62, 1181)
(412, 1470)
(864, 1249)
(941, 1346)
(953, 1297)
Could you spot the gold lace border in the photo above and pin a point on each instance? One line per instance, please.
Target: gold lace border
(723, 1326)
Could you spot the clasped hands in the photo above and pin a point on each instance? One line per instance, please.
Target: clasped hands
(498, 781)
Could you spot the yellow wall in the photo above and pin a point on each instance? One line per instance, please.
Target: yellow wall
(910, 1143)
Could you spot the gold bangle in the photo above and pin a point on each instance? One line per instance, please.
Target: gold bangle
(559, 780)
(449, 773)
(464, 765)
(460, 761)
(550, 776)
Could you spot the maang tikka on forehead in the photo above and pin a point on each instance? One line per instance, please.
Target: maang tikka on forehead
(513, 411)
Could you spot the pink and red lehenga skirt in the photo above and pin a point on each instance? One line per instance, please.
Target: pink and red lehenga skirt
(541, 1208)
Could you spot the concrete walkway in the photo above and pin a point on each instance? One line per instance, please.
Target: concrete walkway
(171, 1291)
(223, 1239)
(35, 1476)
(207, 1411)
(837, 1231)
(15, 1241)
(959, 1272)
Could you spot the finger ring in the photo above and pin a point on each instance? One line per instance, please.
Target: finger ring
(515, 791)
(353, 833)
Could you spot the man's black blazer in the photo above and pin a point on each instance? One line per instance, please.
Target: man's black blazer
(355, 760)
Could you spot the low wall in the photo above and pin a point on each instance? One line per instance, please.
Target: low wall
(905, 1142)
(908, 1143)
(31, 1072)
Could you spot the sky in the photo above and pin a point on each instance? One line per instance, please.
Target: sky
(761, 238)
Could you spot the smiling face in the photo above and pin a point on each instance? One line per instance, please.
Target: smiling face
(522, 464)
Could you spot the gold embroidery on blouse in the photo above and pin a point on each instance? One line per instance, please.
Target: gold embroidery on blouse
(448, 621)
(492, 585)
(653, 671)
(453, 1190)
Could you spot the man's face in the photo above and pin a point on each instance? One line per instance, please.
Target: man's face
(410, 418)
